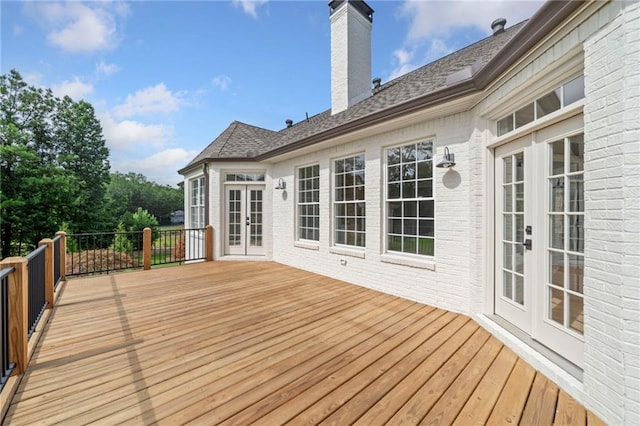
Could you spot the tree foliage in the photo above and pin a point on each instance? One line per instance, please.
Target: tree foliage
(130, 191)
(54, 165)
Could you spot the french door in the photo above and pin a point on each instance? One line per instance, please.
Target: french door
(539, 250)
(244, 220)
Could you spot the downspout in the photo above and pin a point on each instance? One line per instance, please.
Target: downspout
(205, 170)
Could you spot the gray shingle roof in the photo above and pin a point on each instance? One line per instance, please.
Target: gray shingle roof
(243, 141)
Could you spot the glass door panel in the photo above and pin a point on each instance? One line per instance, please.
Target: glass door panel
(244, 220)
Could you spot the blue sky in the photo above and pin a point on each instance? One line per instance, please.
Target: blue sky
(167, 77)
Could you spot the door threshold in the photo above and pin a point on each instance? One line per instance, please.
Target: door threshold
(558, 360)
(247, 258)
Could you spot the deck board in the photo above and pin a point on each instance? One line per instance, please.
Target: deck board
(259, 342)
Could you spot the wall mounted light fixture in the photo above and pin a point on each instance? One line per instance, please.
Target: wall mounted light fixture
(281, 184)
(448, 159)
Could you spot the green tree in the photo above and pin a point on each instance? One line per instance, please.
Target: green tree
(52, 165)
(129, 191)
(121, 242)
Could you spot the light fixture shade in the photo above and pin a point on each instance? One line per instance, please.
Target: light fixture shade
(281, 184)
(448, 160)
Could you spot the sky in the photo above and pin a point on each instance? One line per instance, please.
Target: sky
(167, 77)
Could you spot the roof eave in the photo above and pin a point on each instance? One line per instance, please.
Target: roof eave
(461, 89)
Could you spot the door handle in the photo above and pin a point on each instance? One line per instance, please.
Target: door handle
(527, 244)
(248, 221)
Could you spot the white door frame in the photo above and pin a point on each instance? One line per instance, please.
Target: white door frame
(533, 316)
(247, 226)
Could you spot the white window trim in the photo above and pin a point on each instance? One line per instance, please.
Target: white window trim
(306, 243)
(200, 196)
(401, 258)
(340, 248)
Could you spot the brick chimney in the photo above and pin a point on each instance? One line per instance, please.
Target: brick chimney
(350, 53)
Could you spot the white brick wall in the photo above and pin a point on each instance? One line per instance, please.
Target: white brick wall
(448, 285)
(612, 209)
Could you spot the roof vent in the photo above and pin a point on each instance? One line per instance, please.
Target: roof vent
(498, 25)
(376, 82)
(289, 122)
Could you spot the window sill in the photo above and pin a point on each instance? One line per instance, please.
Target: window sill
(306, 245)
(408, 261)
(347, 251)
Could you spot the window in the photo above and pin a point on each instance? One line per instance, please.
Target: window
(197, 202)
(564, 95)
(309, 203)
(409, 199)
(349, 201)
(245, 177)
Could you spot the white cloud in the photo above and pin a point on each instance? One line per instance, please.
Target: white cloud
(154, 99)
(221, 82)
(124, 134)
(430, 18)
(104, 69)
(250, 7)
(75, 89)
(437, 28)
(80, 28)
(161, 167)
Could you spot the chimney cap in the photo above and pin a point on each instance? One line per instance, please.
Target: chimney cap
(376, 82)
(289, 122)
(498, 25)
(360, 6)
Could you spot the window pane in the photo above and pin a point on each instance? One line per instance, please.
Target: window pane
(394, 243)
(524, 116)
(576, 233)
(507, 232)
(393, 173)
(556, 231)
(409, 244)
(507, 286)
(425, 188)
(573, 90)
(518, 290)
(409, 171)
(395, 209)
(556, 305)
(576, 194)
(507, 200)
(426, 208)
(425, 169)
(576, 154)
(408, 153)
(505, 125)
(409, 189)
(519, 163)
(576, 272)
(576, 317)
(557, 158)
(508, 169)
(410, 227)
(556, 268)
(393, 156)
(507, 255)
(556, 194)
(410, 208)
(393, 190)
(426, 246)
(548, 103)
(424, 151)
(426, 228)
(518, 259)
(519, 197)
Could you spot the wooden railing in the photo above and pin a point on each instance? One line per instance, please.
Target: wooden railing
(97, 253)
(29, 288)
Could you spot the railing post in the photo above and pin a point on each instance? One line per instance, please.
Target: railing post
(48, 271)
(208, 243)
(63, 254)
(18, 312)
(146, 248)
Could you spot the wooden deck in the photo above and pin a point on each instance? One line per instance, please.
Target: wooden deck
(245, 342)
